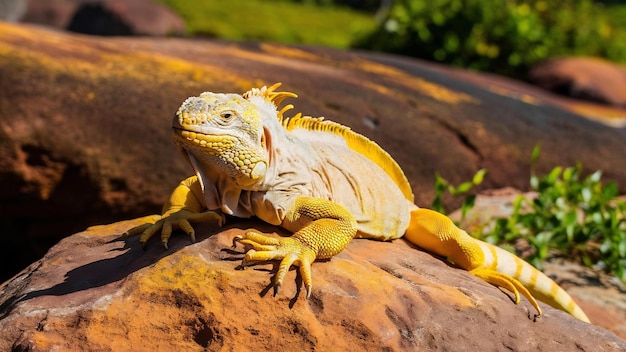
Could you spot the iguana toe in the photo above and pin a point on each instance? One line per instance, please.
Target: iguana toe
(180, 219)
(289, 250)
(505, 281)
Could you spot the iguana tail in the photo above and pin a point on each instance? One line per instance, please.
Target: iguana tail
(436, 233)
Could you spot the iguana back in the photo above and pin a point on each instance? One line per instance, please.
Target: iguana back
(356, 173)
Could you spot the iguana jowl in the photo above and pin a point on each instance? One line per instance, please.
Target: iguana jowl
(321, 181)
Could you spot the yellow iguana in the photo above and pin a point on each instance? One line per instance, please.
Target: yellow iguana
(321, 181)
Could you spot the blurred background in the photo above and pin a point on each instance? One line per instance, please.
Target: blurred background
(504, 37)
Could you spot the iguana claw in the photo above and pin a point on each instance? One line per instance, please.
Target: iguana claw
(180, 219)
(276, 289)
(235, 240)
(290, 250)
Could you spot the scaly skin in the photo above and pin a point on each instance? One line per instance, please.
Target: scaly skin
(322, 230)
(324, 183)
(437, 233)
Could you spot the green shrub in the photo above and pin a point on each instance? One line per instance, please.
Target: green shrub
(498, 36)
(578, 216)
(442, 185)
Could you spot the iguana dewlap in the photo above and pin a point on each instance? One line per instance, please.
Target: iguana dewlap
(321, 181)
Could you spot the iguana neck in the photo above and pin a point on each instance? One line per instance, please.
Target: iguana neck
(287, 170)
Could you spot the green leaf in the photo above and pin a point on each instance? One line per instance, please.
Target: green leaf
(462, 188)
(596, 176)
(586, 193)
(540, 242)
(535, 153)
(534, 182)
(614, 220)
(597, 218)
(568, 174)
(468, 203)
(437, 205)
(610, 190)
(440, 184)
(479, 176)
(517, 204)
(570, 218)
(569, 231)
(554, 175)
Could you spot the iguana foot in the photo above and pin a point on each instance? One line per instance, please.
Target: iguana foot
(288, 249)
(505, 281)
(180, 219)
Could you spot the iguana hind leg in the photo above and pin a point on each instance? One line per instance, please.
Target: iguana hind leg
(321, 230)
(436, 233)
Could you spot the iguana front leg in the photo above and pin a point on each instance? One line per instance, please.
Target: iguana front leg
(184, 206)
(321, 229)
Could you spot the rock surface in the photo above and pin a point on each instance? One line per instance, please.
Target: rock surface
(583, 78)
(106, 17)
(12, 10)
(85, 123)
(96, 294)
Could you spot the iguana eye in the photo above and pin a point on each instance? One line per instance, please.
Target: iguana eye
(226, 116)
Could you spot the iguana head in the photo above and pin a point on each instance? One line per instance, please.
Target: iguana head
(226, 135)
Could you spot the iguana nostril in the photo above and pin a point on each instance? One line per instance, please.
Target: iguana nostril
(259, 170)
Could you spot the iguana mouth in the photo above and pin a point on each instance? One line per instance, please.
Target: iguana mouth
(244, 161)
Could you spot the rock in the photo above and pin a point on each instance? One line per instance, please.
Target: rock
(94, 293)
(53, 13)
(107, 17)
(601, 296)
(12, 10)
(591, 79)
(126, 17)
(85, 123)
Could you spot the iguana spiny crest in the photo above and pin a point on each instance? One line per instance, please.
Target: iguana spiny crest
(236, 132)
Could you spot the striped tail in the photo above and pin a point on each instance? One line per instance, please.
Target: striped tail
(538, 284)
(436, 233)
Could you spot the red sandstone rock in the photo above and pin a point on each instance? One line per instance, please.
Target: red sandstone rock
(583, 78)
(91, 294)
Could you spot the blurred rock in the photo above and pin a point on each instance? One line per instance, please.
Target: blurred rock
(12, 10)
(107, 17)
(53, 13)
(590, 79)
